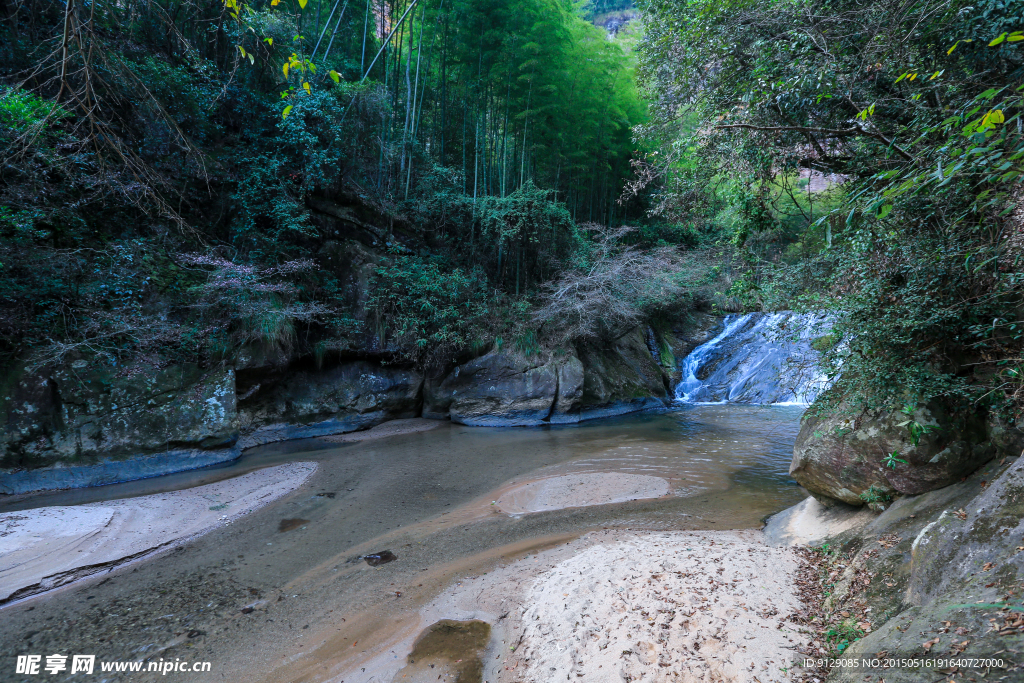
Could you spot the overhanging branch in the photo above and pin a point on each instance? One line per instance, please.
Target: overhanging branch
(838, 132)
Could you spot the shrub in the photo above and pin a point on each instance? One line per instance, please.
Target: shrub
(429, 311)
(618, 286)
(254, 305)
(21, 110)
(873, 494)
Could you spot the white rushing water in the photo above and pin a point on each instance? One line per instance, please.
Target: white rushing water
(760, 358)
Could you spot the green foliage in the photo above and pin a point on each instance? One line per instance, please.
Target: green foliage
(892, 460)
(593, 8)
(874, 495)
(826, 550)
(427, 308)
(915, 122)
(185, 92)
(183, 215)
(915, 428)
(529, 233)
(527, 343)
(843, 634)
(250, 305)
(268, 212)
(21, 110)
(824, 343)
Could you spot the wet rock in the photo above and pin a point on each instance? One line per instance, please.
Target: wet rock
(843, 455)
(505, 389)
(621, 377)
(295, 403)
(114, 424)
(690, 332)
(289, 524)
(377, 559)
(757, 358)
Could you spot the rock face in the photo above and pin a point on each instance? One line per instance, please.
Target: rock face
(936, 574)
(107, 424)
(957, 561)
(86, 410)
(504, 389)
(844, 454)
(90, 424)
(622, 377)
(302, 403)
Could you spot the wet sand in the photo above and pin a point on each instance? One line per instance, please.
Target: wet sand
(607, 607)
(46, 548)
(580, 490)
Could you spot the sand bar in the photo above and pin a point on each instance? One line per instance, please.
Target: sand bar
(390, 428)
(45, 548)
(581, 490)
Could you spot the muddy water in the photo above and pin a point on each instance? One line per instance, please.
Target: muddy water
(315, 604)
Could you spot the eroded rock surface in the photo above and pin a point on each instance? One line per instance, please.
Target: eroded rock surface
(845, 454)
(102, 424)
(89, 424)
(302, 403)
(621, 377)
(505, 389)
(935, 575)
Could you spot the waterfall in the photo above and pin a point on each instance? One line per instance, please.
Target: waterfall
(757, 358)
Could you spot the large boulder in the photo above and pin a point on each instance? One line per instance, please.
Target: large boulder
(621, 377)
(297, 402)
(506, 389)
(844, 454)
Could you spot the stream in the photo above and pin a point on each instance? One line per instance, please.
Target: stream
(429, 497)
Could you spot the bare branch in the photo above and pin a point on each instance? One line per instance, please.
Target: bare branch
(838, 132)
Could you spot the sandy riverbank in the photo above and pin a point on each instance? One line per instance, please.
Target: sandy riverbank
(45, 548)
(694, 606)
(608, 607)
